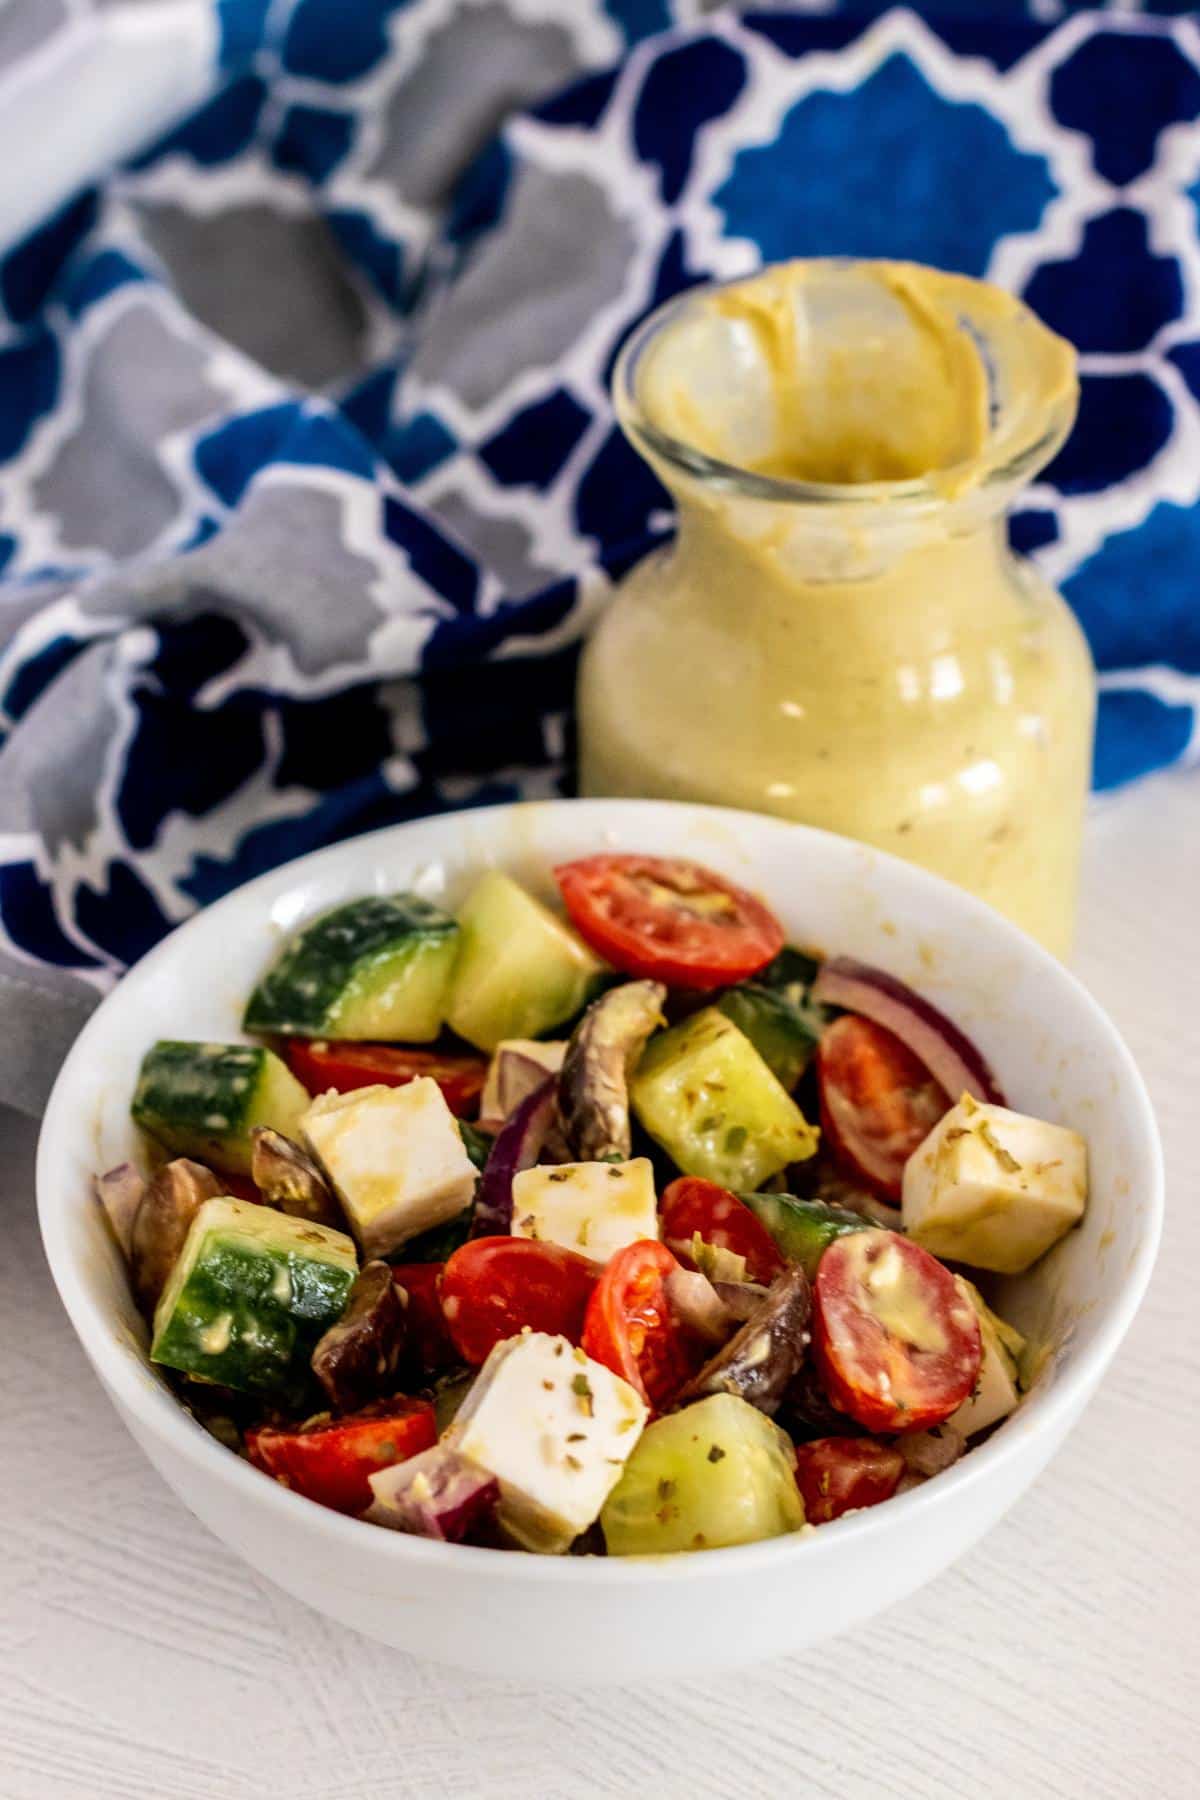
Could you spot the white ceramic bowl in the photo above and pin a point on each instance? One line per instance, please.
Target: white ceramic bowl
(588, 1619)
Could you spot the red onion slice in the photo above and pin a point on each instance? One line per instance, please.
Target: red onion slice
(696, 1305)
(517, 1076)
(119, 1192)
(517, 1147)
(436, 1494)
(947, 1053)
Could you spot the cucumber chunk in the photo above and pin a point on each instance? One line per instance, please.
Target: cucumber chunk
(248, 1298)
(718, 1473)
(520, 971)
(781, 1034)
(377, 968)
(804, 1229)
(706, 1096)
(202, 1100)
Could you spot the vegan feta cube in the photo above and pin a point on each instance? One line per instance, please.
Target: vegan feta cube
(555, 1429)
(994, 1188)
(593, 1208)
(514, 1072)
(396, 1158)
(996, 1391)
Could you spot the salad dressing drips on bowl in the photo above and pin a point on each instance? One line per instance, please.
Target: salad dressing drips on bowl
(839, 632)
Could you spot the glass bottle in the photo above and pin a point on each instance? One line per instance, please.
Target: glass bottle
(862, 653)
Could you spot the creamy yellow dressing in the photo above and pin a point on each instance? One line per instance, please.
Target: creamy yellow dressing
(215, 1339)
(867, 658)
(900, 1302)
(890, 405)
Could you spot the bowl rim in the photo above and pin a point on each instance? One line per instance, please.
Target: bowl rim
(155, 1407)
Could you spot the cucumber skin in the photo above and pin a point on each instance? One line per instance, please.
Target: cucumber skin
(333, 959)
(782, 1037)
(183, 1087)
(270, 1343)
(793, 971)
(803, 1229)
(791, 976)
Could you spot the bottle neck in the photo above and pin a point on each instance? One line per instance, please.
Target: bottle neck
(923, 576)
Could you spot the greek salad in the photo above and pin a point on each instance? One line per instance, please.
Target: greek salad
(625, 1228)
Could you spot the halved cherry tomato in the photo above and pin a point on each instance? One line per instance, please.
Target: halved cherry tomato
(838, 1475)
(668, 919)
(630, 1327)
(494, 1286)
(321, 1065)
(427, 1340)
(878, 1101)
(896, 1340)
(330, 1460)
(692, 1205)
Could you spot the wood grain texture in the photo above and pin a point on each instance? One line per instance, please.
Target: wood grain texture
(1057, 1662)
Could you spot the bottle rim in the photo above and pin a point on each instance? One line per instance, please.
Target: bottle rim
(1015, 449)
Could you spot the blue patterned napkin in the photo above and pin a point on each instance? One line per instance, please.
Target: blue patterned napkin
(308, 480)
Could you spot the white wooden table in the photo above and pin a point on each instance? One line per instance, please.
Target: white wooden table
(1059, 1660)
